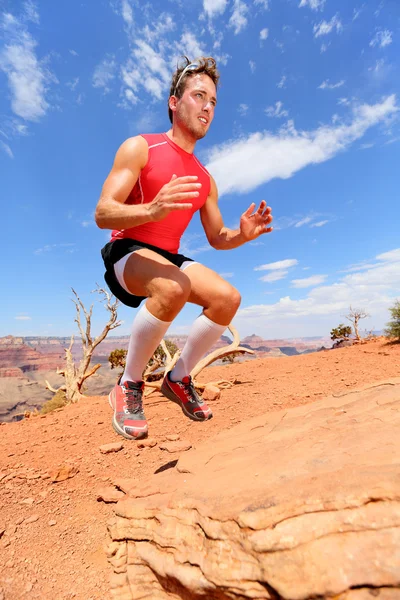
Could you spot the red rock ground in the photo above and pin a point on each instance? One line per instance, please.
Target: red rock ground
(52, 535)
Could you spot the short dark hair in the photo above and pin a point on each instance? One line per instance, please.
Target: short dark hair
(206, 64)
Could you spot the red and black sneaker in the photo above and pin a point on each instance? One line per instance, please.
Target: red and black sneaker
(184, 394)
(126, 401)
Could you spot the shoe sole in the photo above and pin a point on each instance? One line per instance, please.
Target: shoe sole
(171, 396)
(117, 429)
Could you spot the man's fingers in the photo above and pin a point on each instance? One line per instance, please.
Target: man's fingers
(268, 230)
(178, 206)
(268, 219)
(186, 179)
(248, 212)
(173, 177)
(185, 196)
(263, 204)
(184, 187)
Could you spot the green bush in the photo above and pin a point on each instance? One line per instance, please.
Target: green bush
(393, 327)
(341, 332)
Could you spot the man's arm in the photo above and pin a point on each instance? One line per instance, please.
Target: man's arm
(111, 212)
(223, 238)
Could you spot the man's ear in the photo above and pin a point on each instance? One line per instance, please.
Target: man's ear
(172, 102)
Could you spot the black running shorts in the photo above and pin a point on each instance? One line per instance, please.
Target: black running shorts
(114, 251)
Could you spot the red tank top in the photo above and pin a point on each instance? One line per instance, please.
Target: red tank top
(165, 158)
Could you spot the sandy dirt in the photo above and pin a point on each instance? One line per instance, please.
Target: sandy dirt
(52, 535)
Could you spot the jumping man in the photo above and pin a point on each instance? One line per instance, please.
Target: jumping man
(148, 199)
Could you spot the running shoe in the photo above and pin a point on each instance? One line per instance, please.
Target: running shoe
(184, 394)
(126, 401)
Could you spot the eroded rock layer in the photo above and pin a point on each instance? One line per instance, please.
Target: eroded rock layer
(293, 505)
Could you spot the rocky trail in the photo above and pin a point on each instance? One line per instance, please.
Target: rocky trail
(58, 483)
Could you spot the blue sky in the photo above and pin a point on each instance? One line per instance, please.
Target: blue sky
(307, 119)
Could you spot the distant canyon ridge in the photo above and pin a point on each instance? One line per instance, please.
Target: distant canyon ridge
(26, 362)
(22, 355)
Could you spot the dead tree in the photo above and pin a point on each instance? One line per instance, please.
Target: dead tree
(74, 374)
(354, 316)
(170, 362)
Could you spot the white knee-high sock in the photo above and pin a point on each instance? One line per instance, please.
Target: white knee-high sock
(147, 333)
(203, 334)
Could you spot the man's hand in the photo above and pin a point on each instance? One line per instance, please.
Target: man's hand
(174, 195)
(252, 225)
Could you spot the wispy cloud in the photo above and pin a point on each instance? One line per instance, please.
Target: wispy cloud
(252, 65)
(325, 27)
(308, 281)
(282, 83)
(214, 7)
(304, 221)
(263, 3)
(127, 13)
(326, 85)
(274, 276)
(23, 318)
(264, 33)
(238, 19)
(242, 165)
(243, 109)
(313, 4)
(104, 73)
(319, 223)
(276, 111)
(50, 247)
(382, 38)
(278, 265)
(28, 77)
(6, 149)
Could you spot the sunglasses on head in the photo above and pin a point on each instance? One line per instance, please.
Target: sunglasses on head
(190, 67)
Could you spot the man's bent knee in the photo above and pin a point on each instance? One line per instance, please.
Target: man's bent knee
(172, 293)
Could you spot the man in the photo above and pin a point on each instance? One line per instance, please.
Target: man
(155, 186)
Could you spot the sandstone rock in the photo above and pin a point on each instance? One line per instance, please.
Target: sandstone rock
(211, 392)
(291, 505)
(52, 522)
(63, 473)
(114, 447)
(31, 519)
(172, 447)
(174, 437)
(109, 494)
(147, 443)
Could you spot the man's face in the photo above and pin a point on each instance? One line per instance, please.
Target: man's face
(195, 110)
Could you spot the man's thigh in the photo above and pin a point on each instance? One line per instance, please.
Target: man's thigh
(145, 270)
(207, 286)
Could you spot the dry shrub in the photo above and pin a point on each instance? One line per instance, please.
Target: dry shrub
(59, 400)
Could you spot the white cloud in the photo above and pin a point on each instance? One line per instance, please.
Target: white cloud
(282, 82)
(276, 111)
(263, 3)
(375, 288)
(214, 7)
(308, 281)
(242, 165)
(226, 275)
(382, 38)
(31, 12)
(28, 78)
(252, 65)
(238, 19)
(304, 221)
(319, 223)
(6, 149)
(264, 33)
(190, 46)
(73, 52)
(326, 85)
(313, 4)
(104, 73)
(273, 276)
(243, 108)
(325, 27)
(126, 11)
(23, 318)
(324, 47)
(278, 265)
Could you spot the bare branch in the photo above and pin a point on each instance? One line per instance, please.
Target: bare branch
(92, 372)
(233, 348)
(164, 347)
(50, 387)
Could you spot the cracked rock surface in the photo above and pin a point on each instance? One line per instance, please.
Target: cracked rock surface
(297, 504)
